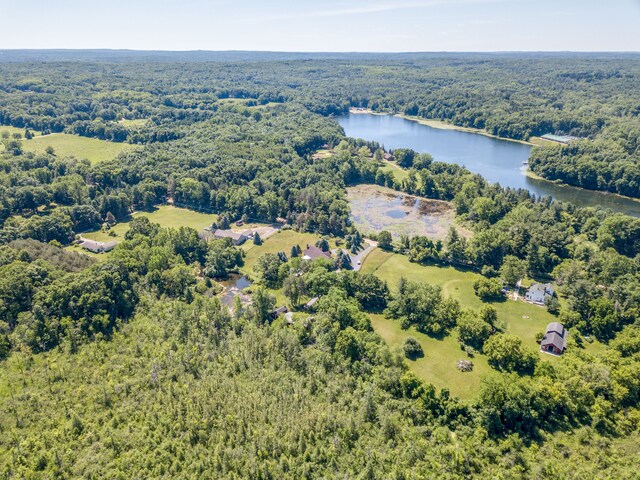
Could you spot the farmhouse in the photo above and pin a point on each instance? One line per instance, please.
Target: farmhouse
(555, 339)
(539, 292)
(97, 247)
(313, 252)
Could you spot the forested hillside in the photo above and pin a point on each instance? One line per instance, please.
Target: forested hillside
(131, 363)
(512, 96)
(611, 162)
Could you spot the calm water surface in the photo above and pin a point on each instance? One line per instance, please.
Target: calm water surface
(496, 160)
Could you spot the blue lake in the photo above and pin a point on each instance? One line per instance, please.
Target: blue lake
(497, 160)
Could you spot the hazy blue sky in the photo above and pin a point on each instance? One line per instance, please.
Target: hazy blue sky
(328, 25)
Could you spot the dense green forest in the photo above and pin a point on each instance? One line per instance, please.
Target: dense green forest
(128, 364)
(589, 96)
(611, 162)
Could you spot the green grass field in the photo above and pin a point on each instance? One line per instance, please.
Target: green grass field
(398, 172)
(282, 241)
(438, 366)
(165, 215)
(12, 130)
(66, 145)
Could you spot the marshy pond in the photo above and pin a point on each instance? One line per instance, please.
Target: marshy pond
(234, 287)
(375, 208)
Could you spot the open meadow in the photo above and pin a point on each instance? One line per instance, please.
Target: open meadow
(438, 365)
(65, 145)
(167, 216)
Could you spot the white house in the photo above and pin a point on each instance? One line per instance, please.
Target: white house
(539, 292)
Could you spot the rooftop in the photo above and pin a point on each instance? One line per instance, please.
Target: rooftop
(559, 138)
(313, 252)
(555, 335)
(228, 234)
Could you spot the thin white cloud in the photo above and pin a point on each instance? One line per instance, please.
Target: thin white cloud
(371, 8)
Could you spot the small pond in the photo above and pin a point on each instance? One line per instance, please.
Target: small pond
(233, 287)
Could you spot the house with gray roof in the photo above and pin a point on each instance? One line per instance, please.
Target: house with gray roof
(555, 339)
(97, 247)
(312, 252)
(236, 237)
(539, 292)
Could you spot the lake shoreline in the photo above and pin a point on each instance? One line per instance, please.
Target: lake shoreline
(441, 124)
(558, 183)
(498, 161)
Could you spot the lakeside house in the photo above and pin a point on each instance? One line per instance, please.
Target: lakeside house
(555, 339)
(564, 139)
(97, 247)
(312, 252)
(539, 292)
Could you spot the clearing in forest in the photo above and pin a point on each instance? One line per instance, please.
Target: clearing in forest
(438, 366)
(166, 215)
(66, 145)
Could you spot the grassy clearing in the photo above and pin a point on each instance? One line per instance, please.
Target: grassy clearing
(165, 215)
(438, 366)
(12, 130)
(66, 145)
(323, 153)
(139, 122)
(282, 241)
(398, 172)
(244, 102)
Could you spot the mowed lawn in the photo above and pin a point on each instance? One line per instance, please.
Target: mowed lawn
(398, 172)
(438, 366)
(165, 215)
(65, 145)
(281, 241)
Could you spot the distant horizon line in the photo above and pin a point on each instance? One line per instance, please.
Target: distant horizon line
(375, 52)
